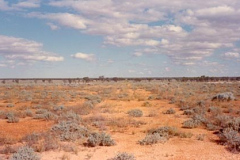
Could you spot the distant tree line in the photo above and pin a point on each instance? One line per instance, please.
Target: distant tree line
(116, 79)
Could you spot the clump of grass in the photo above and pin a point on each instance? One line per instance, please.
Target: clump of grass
(135, 113)
(123, 156)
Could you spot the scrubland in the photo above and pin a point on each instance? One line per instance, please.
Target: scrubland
(122, 120)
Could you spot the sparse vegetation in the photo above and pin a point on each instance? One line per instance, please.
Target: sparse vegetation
(135, 113)
(123, 156)
(71, 116)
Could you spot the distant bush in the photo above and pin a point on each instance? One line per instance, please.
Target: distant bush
(100, 139)
(25, 153)
(12, 118)
(146, 104)
(200, 137)
(161, 134)
(10, 105)
(94, 98)
(152, 139)
(123, 156)
(70, 116)
(41, 111)
(46, 116)
(226, 96)
(135, 113)
(214, 110)
(28, 113)
(185, 134)
(188, 112)
(191, 123)
(169, 111)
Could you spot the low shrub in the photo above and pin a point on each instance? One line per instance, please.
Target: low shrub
(46, 116)
(25, 153)
(12, 118)
(152, 139)
(188, 112)
(169, 111)
(123, 156)
(10, 105)
(191, 123)
(231, 138)
(226, 96)
(161, 134)
(135, 113)
(100, 139)
(69, 131)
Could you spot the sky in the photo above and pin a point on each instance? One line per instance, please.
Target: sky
(119, 38)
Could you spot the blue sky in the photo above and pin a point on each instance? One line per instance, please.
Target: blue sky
(138, 38)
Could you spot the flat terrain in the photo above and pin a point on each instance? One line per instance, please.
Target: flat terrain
(103, 107)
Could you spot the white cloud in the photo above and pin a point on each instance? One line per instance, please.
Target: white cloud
(131, 71)
(84, 56)
(4, 5)
(65, 19)
(216, 11)
(187, 32)
(12, 48)
(19, 5)
(27, 4)
(53, 26)
(231, 55)
(137, 54)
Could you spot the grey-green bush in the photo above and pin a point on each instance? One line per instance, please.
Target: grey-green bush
(135, 113)
(100, 139)
(25, 153)
(123, 156)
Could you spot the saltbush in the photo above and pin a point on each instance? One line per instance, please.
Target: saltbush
(25, 153)
(135, 113)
